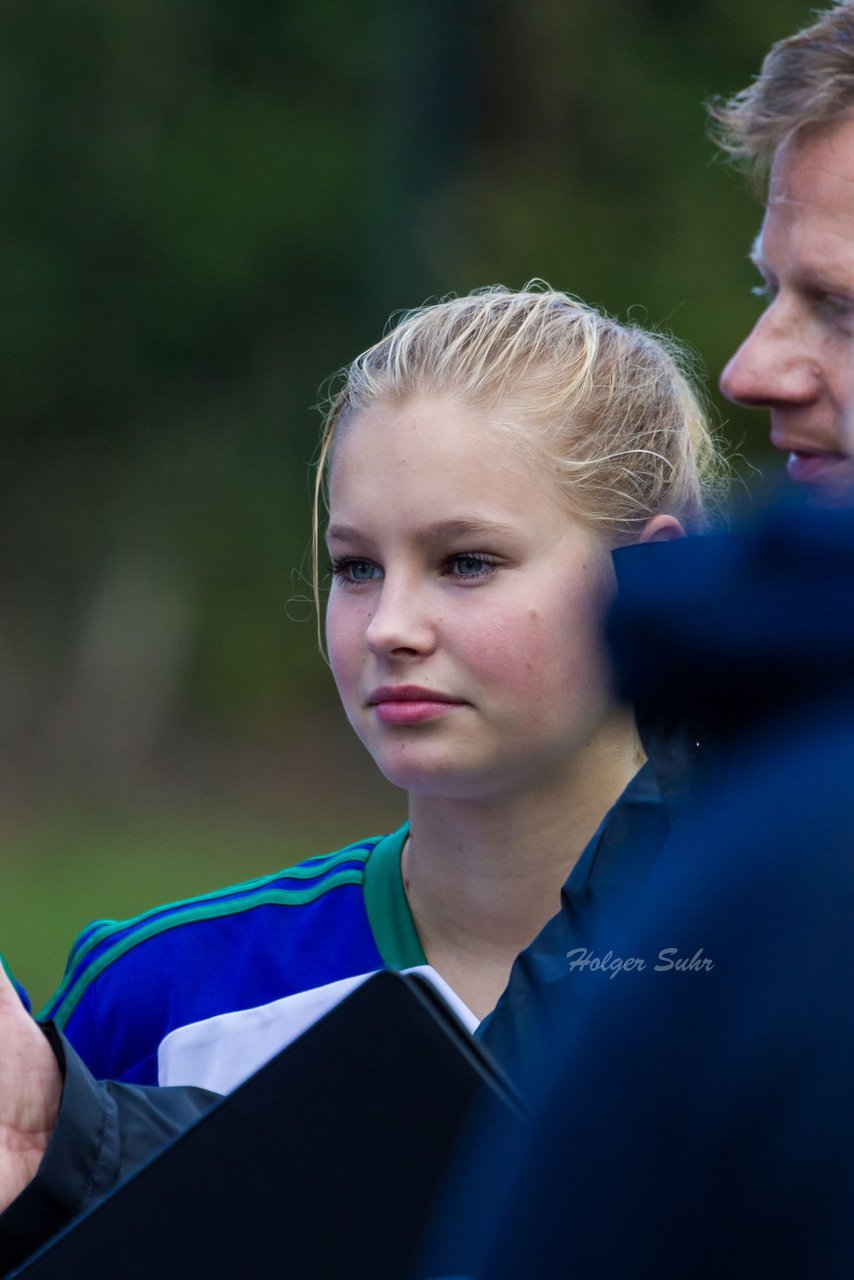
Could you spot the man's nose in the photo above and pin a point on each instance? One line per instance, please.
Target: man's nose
(773, 366)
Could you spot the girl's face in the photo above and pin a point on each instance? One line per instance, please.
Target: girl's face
(463, 620)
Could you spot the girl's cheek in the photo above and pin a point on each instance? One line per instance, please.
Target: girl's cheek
(341, 645)
(513, 651)
(537, 649)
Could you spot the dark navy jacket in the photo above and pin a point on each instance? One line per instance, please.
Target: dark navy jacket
(609, 873)
(698, 1121)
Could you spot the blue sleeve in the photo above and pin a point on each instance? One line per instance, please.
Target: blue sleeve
(114, 1015)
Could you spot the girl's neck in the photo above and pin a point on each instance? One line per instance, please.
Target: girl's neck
(483, 876)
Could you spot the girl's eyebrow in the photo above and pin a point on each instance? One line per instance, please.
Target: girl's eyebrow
(436, 531)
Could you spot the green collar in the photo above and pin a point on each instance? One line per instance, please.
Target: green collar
(388, 910)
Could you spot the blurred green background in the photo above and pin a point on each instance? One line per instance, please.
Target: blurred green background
(207, 207)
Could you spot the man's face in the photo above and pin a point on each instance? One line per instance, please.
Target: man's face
(797, 359)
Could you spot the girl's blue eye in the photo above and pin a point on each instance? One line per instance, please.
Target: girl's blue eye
(354, 570)
(470, 566)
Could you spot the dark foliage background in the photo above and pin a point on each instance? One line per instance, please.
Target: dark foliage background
(207, 207)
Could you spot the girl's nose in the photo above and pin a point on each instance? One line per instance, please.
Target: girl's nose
(400, 623)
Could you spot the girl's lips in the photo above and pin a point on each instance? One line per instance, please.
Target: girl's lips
(410, 704)
(412, 711)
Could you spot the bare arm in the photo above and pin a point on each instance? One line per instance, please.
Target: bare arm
(30, 1093)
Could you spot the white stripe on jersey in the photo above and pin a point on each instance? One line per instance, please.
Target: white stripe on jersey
(220, 1053)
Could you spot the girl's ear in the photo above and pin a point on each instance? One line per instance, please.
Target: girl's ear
(661, 529)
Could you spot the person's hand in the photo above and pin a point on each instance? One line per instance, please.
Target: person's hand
(30, 1093)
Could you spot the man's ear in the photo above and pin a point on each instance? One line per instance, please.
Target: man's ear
(661, 529)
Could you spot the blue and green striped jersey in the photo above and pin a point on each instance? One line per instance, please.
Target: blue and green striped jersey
(129, 983)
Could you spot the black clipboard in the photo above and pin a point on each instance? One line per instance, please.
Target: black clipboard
(325, 1163)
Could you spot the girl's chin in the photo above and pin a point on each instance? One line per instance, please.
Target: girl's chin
(442, 780)
(427, 782)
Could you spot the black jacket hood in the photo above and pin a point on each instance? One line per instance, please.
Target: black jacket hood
(728, 630)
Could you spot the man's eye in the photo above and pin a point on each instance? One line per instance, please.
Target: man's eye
(838, 308)
(763, 292)
(354, 570)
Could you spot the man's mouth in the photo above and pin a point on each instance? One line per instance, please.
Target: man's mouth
(820, 468)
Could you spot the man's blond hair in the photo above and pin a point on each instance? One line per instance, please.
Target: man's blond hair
(806, 83)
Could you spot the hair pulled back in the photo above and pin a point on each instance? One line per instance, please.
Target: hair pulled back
(606, 409)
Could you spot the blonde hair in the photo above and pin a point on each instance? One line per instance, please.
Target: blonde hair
(806, 83)
(607, 408)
